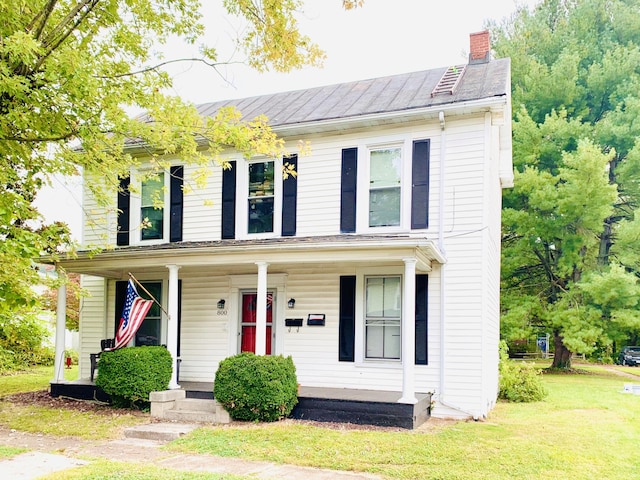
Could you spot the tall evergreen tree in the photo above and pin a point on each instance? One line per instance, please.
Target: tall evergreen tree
(571, 257)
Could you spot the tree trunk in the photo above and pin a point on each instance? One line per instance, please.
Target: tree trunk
(562, 355)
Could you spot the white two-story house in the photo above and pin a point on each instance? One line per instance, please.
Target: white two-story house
(376, 267)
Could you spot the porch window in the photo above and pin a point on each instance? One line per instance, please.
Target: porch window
(152, 207)
(150, 331)
(383, 312)
(385, 187)
(261, 197)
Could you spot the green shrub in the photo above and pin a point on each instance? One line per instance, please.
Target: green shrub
(256, 387)
(519, 381)
(23, 337)
(128, 375)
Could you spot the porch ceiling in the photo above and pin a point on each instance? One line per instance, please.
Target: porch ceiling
(242, 254)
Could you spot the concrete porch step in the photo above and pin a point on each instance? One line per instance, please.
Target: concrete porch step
(195, 404)
(195, 416)
(159, 432)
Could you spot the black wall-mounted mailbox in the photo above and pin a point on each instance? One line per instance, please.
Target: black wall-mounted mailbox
(293, 322)
(316, 319)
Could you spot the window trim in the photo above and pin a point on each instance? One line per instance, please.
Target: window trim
(366, 318)
(360, 355)
(242, 199)
(404, 143)
(135, 220)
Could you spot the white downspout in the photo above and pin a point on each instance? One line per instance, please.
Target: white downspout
(443, 149)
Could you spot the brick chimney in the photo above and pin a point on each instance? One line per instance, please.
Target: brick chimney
(479, 47)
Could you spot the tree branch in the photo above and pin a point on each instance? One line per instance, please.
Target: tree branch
(162, 64)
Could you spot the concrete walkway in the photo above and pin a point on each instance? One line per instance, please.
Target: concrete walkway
(52, 454)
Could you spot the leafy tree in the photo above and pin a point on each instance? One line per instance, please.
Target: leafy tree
(569, 225)
(71, 70)
(50, 301)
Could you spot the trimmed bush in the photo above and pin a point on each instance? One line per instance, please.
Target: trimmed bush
(128, 375)
(256, 387)
(519, 381)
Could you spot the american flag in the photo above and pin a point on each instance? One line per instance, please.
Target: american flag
(133, 313)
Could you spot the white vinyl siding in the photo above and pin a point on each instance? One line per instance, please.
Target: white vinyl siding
(470, 224)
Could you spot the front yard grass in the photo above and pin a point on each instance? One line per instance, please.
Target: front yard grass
(107, 470)
(56, 421)
(586, 428)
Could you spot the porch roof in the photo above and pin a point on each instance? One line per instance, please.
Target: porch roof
(345, 249)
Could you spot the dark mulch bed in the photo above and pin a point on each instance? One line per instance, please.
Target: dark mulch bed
(43, 399)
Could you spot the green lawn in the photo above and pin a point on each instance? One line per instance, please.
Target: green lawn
(56, 421)
(585, 429)
(106, 470)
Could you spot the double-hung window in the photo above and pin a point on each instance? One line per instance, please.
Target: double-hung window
(150, 331)
(261, 197)
(383, 313)
(385, 180)
(152, 207)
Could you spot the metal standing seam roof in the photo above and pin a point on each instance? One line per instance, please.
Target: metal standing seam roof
(396, 93)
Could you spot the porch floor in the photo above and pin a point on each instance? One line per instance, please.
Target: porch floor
(344, 405)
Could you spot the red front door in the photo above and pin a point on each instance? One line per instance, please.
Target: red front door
(248, 325)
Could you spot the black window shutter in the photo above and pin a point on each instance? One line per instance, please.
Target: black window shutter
(124, 209)
(229, 201)
(421, 319)
(290, 199)
(121, 295)
(348, 190)
(347, 321)
(420, 184)
(176, 203)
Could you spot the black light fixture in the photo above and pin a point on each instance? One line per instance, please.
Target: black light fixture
(221, 303)
(291, 303)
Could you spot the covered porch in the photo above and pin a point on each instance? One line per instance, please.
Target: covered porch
(283, 266)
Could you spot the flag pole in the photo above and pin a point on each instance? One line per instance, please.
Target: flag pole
(148, 293)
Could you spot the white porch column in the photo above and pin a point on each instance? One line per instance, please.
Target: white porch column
(409, 332)
(172, 323)
(261, 309)
(61, 325)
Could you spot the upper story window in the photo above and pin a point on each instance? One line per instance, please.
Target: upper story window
(385, 187)
(258, 201)
(385, 181)
(261, 197)
(152, 207)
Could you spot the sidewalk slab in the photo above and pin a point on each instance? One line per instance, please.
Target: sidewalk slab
(31, 465)
(160, 432)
